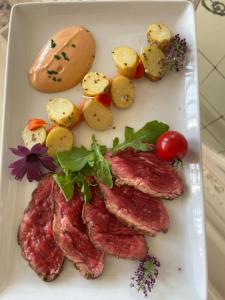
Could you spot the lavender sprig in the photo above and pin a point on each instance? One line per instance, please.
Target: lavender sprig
(175, 54)
(145, 276)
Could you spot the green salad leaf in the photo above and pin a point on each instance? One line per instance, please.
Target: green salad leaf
(83, 186)
(66, 184)
(76, 159)
(101, 167)
(78, 164)
(137, 140)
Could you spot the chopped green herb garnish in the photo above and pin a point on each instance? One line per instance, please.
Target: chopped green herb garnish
(59, 79)
(65, 56)
(54, 78)
(73, 45)
(52, 72)
(53, 44)
(58, 57)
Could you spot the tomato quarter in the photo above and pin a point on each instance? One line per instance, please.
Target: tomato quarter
(104, 99)
(171, 145)
(140, 71)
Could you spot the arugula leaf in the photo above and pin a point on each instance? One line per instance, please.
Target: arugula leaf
(151, 131)
(84, 187)
(76, 159)
(129, 134)
(66, 184)
(115, 142)
(56, 162)
(101, 167)
(88, 171)
(137, 140)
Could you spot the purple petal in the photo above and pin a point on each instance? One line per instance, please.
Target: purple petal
(33, 170)
(38, 149)
(18, 163)
(21, 173)
(47, 162)
(19, 168)
(20, 151)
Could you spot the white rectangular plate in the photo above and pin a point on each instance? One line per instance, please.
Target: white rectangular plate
(173, 100)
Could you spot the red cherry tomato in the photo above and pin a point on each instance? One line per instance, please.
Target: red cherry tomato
(139, 72)
(171, 145)
(104, 99)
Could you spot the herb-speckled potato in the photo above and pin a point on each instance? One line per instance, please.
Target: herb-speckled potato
(32, 137)
(97, 115)
(159, 34)
(126, 60)
(95, 83)
(153, 60)
(59, 139)
(122, 91)
(63, 112)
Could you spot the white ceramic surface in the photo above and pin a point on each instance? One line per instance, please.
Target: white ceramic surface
(2, 73)
(173, 100)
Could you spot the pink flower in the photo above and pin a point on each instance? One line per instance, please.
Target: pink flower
(31, 162)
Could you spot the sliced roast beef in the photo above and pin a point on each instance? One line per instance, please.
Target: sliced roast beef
(71, 235)
(147, 173)
(35, 234)
(108, 234)
(138, 210)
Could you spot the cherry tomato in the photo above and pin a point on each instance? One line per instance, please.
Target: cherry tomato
(104, 99)
(171, 145)
(139, 72)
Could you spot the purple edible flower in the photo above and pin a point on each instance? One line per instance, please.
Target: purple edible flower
(31, 162)
(175, 54)
(145, 276)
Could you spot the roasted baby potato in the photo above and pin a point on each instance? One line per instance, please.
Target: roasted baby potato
(159, 34)
(59, 139)
(32, 137)
(97, 115)
(63, 112)
(122, 91)
(153, 60)
(95, 83)
(126, 60)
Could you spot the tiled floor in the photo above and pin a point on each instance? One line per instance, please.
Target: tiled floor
(211, 45)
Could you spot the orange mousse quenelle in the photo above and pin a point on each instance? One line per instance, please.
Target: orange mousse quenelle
(63, 61)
